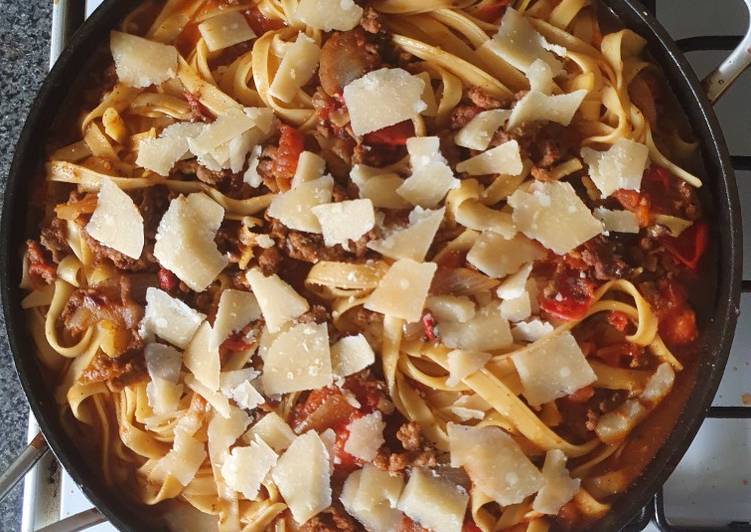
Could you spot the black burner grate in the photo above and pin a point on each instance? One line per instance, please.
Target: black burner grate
(655, 511)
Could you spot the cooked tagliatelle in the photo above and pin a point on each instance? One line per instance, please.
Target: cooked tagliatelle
(390, 265)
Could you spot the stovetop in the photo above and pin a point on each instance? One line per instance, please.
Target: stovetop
(711, 487)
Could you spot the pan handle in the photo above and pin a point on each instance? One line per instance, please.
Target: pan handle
(722, 77)
(35, 450)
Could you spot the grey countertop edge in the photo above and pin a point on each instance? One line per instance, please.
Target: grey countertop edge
(24, 45)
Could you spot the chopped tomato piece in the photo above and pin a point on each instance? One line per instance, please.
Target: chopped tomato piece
(636, 203)
(291, 145)
(429, 327)
(618, 320)
(259, 23)
(324, 408)
(167, 280)
(689, 247)
(395, 135)
(679, 327)
(581, 395)
(344, 463)
(367, 393)
(572, 297)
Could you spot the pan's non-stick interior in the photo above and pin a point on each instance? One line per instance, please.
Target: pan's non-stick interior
(716, 337)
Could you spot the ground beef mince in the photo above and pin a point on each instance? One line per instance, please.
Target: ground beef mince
(119, 372)
(332, 519)
(346, 56)
(269, 261)
(462, 114)
(416, 450)
(482, 99)
(371, 21)
(544, 143)
(53, 239)
(605, 259)
(40, 270)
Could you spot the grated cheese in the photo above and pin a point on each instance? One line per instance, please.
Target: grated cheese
(551, 368)
(383, 98)
(299, 359)
(403, 290)
(553, 214)
(106, 223)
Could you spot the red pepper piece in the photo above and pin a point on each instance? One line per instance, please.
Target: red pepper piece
(291, 145)
(428, 327)
(689, 247)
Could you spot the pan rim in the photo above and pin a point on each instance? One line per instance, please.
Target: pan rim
(703, 121)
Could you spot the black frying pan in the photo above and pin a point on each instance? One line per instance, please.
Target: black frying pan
(718, 315)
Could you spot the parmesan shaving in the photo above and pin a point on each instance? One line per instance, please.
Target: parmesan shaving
(515, 285)
(273, 430)
(298, 65)
(302, 476)
(365, 436)
(344, 220)
(479, 131)
(140, 62)
(413, 241)
(503, 159)
(350, 355)
(403, 290)
(160, 154)
(201, 360)
(617, 221)
(536, 106)
(106, 223)
(464, 363)
(431, 177)
(558, 487)
(299, 359)
(236, 309)
(225, 30)
(370, 495)
(378, 187)
(434, 502)
(329, 15)
(517, 43)
(497, 256)
(169, 318)
(553, 214)
(294, 207)
(246, 468)
(531, 331)
(278, 301)
(310, 166)
(383, 98)
(620, 167)
(551, 368)
(451, 308)
(486, 331)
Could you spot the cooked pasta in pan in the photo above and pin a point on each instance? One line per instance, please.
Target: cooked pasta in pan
(389, 265)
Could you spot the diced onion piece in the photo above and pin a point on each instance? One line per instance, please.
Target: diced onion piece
(403, 290)
(517, 308)
(617, 221)
(515, 285)
(310, 166)
(517, 43)
(531, 331)
(273, 430)
(503, 159)
(225, 30)
(463, 363)
(497, 256)
(185, 240)
(365, 436)
(383, 98)
(106, 226)
(479, 131)
(370, 495)
(298, 65)
(169, 318)
(299, 359)
(378, 187)
(344, 220)
(329, 15)
(485, 332)
(160, 155)
(236, 309)
(278, 301)
(202, 361)
(558, 487)
(451, 308)
(431, 177)
(536, 106)
(495, 463)
(302, 476)
(551, 368)
(555, 215)
(433, 501)
(246, 467)
(620, 167)
(350, 355)
(294, 207)
(184, 459)
(140, 62)
(413, 241)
